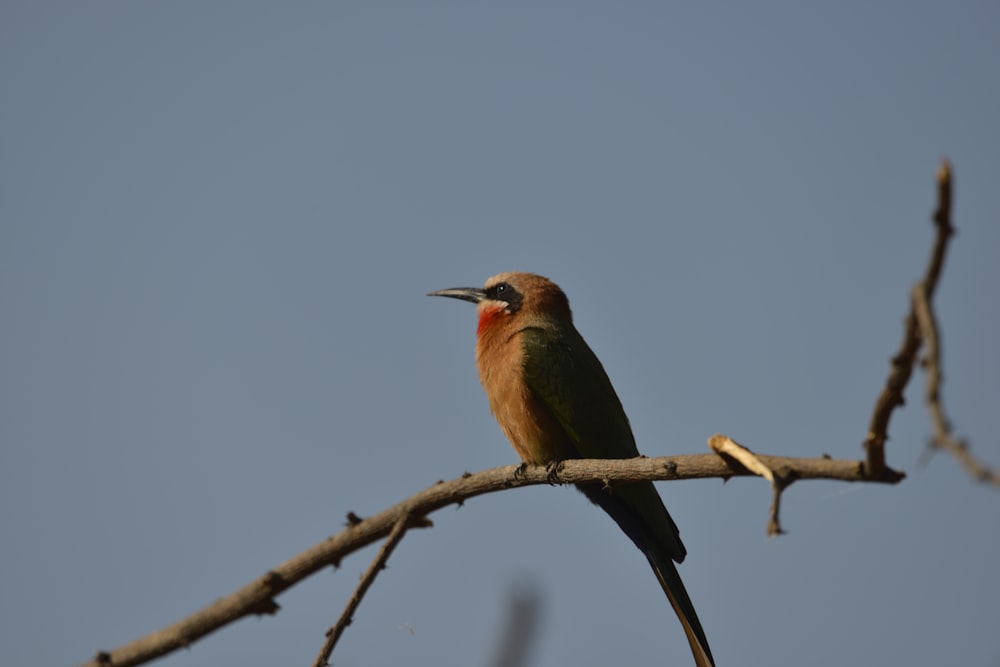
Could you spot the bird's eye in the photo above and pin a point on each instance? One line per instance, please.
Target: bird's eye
(506, 293)
(500, 291)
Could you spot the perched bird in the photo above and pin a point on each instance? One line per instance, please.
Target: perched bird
(554, 401)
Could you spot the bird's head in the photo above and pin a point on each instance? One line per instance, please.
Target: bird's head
(513, 297)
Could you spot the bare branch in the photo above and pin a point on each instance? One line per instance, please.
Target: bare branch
(943, 438)
(258, 596)
(334, 633)
(780, 480)
(921, 328)
(731, 460)
(902, 364)
(726, 446)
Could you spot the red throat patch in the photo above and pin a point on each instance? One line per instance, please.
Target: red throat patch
(488, 314)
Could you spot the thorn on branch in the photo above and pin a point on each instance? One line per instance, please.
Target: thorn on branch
(266, 607)
(273, 580)
(353, 519)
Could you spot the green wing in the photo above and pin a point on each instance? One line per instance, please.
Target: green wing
(565, 375)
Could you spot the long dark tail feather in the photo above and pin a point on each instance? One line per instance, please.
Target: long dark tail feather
(663, 566)
(672, 585)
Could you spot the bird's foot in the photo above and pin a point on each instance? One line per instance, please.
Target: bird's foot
(520, 470)
(552, 469)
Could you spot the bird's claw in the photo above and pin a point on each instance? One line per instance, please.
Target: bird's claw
(552, 469)
(520, 470)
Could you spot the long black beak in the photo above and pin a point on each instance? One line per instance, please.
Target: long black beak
(473, 294)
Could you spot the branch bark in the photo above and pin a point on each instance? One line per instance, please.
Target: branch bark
(943, 439)
(347, 616)
(257, 597)
(780, 480)
(902, 364)
(731, 460)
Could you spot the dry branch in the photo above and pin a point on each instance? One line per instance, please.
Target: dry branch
(902, 364)
(943, 438)
(334, 633)
(731, 460)
(780, 480)
(257, 597)
(921, 328)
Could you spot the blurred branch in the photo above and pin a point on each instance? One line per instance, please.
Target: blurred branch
(257, 597)
(520, 628)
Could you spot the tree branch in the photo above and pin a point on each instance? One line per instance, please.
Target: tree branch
(943, 438)
(334, 633)
(257, 597)
(779, 479)
(730, 460)
(902, 364)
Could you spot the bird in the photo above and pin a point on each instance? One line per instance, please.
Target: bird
(554, 401)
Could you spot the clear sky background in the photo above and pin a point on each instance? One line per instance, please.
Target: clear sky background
(218, 222)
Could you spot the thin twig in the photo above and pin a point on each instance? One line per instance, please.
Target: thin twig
(258, 596)
(334, 633)
(902, 364)
(780, 481)
(924, 310)
(943, 438)
(774, 522)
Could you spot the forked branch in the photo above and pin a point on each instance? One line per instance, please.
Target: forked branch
(730, 460)
(921, 329)
(257, 597)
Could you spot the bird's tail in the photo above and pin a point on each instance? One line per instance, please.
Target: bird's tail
(661, 554)
(672, 585)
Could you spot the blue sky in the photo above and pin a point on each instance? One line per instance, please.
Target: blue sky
(218, 222)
